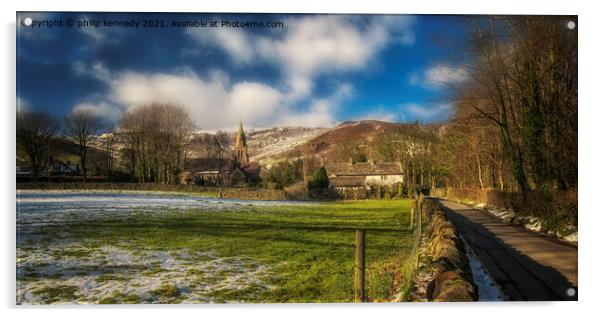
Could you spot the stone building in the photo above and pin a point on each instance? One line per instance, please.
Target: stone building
(351, 175)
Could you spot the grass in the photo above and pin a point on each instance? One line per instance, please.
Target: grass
(309, 248)
(60, 293)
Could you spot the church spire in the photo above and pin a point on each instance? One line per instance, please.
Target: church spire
(241, 139)
(242, 154)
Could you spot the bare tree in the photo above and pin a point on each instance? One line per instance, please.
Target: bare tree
(108, 145)
(35, 130)
(156, 138)
(222, 143)
(81, 127)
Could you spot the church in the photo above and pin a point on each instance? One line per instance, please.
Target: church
(235, 171)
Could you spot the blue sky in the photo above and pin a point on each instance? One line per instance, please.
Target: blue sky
(317, 70)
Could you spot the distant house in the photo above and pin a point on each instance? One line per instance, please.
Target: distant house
(237, 170)
(60, 168)
(54, 168)
(351, 175)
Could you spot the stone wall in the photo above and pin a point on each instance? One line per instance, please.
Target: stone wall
(253, 194)
(444, 256)
(227, 192)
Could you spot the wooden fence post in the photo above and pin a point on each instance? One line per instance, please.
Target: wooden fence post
(418, 226)
(360, 262)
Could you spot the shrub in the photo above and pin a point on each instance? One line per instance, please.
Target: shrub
(399, 194)
(284, 174)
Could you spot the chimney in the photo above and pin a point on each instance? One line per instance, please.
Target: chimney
(350, 161)
(371, 161)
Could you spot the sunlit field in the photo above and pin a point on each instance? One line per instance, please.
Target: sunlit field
(75, 247)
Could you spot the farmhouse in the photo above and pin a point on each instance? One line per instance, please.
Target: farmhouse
(352, 175)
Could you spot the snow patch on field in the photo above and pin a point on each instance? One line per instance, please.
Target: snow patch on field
(117, 274)
(52, 267)
(40, 208)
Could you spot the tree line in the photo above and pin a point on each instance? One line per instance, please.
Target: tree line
(516, 113)
(153, 140)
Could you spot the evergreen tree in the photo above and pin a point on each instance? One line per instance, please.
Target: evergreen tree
(319, 178)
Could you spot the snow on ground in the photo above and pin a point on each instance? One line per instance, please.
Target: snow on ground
(44, 207)
(530, 223)
(53, 268)
(141, 276)
(489, 290)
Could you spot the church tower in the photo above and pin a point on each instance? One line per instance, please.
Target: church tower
(242, 155)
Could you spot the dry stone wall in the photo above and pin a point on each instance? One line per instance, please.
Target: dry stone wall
(444, 255)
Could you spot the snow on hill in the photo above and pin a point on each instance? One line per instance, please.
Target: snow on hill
(266, 146)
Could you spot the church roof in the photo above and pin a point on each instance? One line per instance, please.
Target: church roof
(209, 165)
(250, 167)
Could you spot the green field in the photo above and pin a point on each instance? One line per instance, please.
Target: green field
(248, 253)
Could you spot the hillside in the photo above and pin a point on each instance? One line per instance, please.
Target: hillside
(360, 131)
(325, 144)
(269, 145)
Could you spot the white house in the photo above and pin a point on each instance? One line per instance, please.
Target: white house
(364, 174)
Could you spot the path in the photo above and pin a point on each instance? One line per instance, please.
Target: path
(527, 266)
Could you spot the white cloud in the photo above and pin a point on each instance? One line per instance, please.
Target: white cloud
(426, 112)
(96, 70)
(253, 101)
(233, 41)
(93, 33)
(444, 74)
(212, 102)
(311, 46)
(320, 112)
(103, 109)
(379, 114)
(319, 45)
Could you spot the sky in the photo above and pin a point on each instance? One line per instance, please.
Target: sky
(311, 70)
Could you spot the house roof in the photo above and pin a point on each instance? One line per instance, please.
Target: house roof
(212, 166)
(209, 165)
(250, 168)
(346, 181)
(363, 169)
